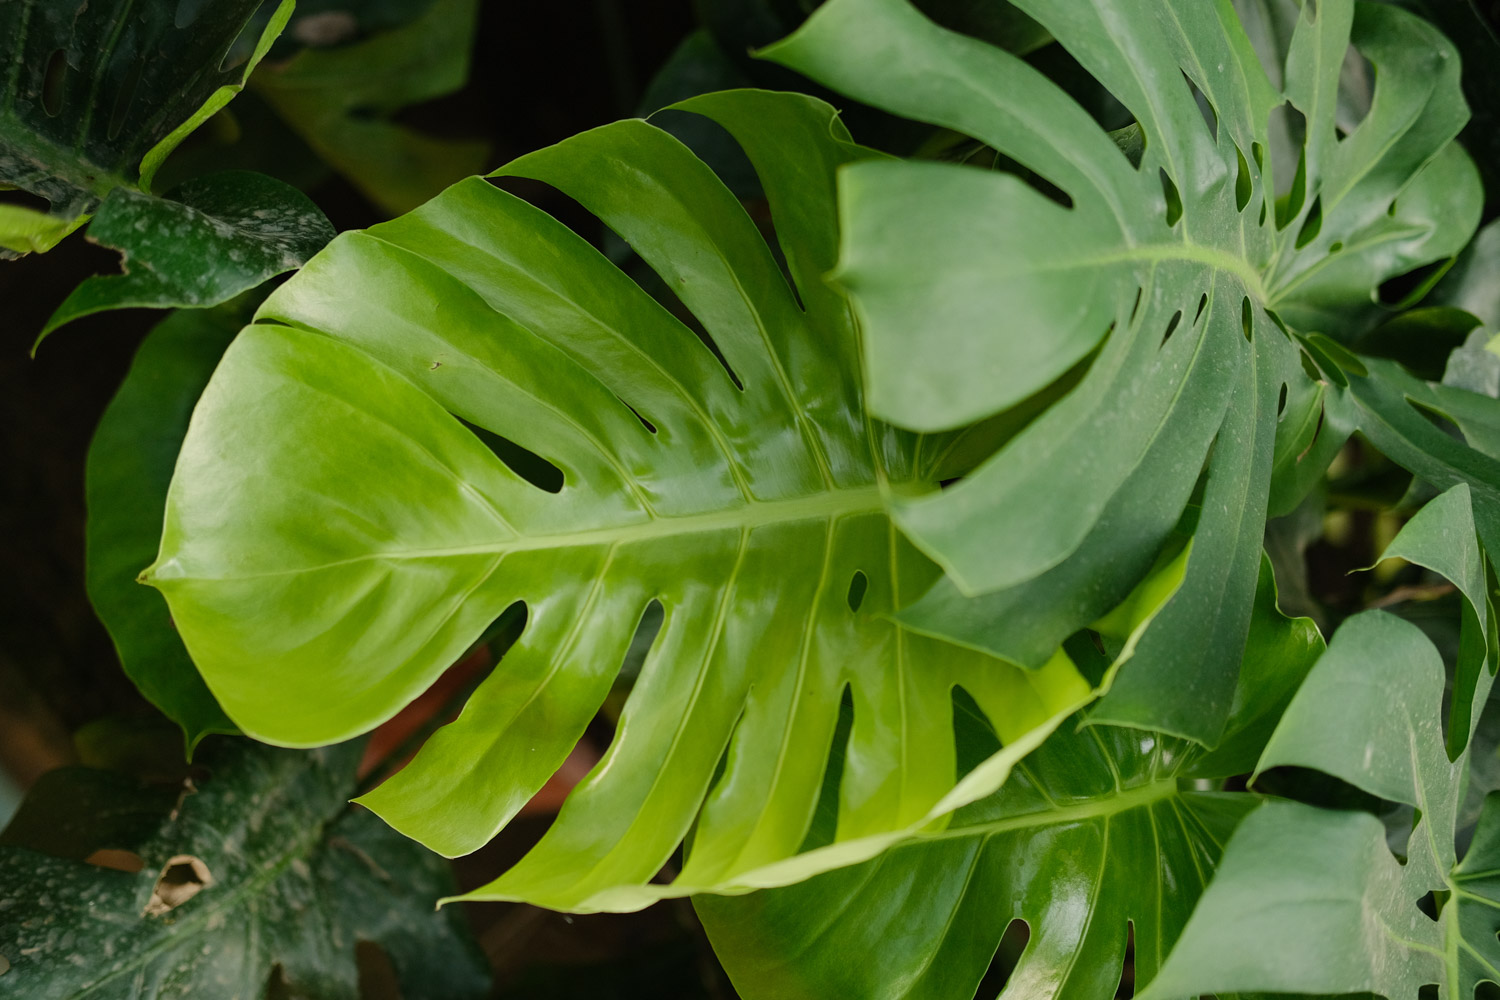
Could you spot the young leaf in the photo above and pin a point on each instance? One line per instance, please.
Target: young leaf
(94, 95)
(468, 407)
(129, 466)
(1169, 279)
(204, 243)
(1308, 900)
(262, 865)
(1097, 832)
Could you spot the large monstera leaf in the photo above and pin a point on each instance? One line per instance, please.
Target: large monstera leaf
(1143, 316)
(345, 519)
(94, 95)
(1099, 831)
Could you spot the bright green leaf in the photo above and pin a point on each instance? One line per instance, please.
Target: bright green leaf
(1097, 831)
(25, 230)
(338, 531)
(1171, 279)
(263, 865)
(204, 243)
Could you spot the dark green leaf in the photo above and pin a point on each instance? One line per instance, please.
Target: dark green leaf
(262, 865)
(129, 466)
(341, 100)
(95, 93)
(1442, 538)
(1310, 900)
(204, 243)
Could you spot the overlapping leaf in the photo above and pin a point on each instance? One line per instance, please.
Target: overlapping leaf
(1154, 299)
(1098, 831)
(129, 466)
(1310, 900)
(263, 866)
(94, 95)
(204, 243)
(340, 101)
(343, 522)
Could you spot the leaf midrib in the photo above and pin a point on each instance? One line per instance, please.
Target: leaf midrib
(1101, 807)
(825, 505)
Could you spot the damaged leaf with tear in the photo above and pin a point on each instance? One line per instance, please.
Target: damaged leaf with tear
(207, 889)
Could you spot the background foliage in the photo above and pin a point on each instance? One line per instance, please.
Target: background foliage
(1335, 375)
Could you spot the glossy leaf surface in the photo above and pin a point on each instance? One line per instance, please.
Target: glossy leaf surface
(1096, 832)
(1158, 292)
(265, 865)
(204, 243)
(94, 95)
(347, 516)
(1309, 900)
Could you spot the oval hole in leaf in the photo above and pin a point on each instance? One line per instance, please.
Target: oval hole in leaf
(1202, 305)
(1281, 402)
(1311, 224)
(820, 831)
(857, 587)
(53, 79)
(1126, 988)
(525, 463)
(1174, 200)
(644, 422)
(1288, 135)
(1205, 108)
(646, 631)
(1171, 327)
(1008, 951)
(1247, 318)
(1244, 184)
(1432, 905)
